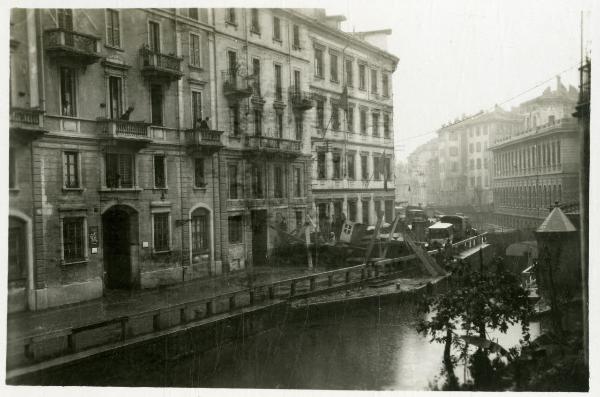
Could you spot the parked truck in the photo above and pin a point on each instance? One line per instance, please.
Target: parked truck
(461, 226)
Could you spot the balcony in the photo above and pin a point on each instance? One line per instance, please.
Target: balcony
(301, 100)
(264, 146)
(26, 123)
(203, 141)
(74, 47)
(160, 67)
(235, 86)
(124, 132)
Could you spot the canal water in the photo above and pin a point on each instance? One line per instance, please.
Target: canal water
(370, 346)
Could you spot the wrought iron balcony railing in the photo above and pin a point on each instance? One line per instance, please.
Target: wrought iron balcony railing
(301, 100)
(78, 48)
(156, 65)
(274, 146)
(235, 85)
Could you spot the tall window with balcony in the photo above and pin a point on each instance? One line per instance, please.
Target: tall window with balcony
(156, 100)
(234, 111)
(154, 36)
(73, 239)
(279, 119)
(363, 168)
(257, 181)
(352, 210)
(349, 73)
(195, 56)
(71, 170)
(200, 232)
(376, 168)
(278, 183)
(64, 18)
(278, 83)
(257, 122)
(196, 109)
(374, 86)
(320, 108)
(115, 96)
(256, 76)
(199, 181)
(350, 166)
(363, 121)
(160, 179)
(68, 92)
(232, 177)
(386, 126)
(254, 21)
(333, 67)
(362, 78)
(193, 13)
(385, 89)
(297, 182)
(120, 170)
(297, 83)
(161, 231)
(375, 118)
(296, 37)
(318, 63)
(337, 165)
(276, 29)
(365, 211)
(299, 126)
(321, 174)
(113, 28)
(387, 168)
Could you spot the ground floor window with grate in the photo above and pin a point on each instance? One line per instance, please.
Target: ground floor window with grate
(17, 250)
(200, 232)
(161, 231)
(235, 229)
(73, 239)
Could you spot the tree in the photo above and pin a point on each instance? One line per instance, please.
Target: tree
(475, 302)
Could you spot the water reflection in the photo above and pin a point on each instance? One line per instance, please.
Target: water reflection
(367, 347)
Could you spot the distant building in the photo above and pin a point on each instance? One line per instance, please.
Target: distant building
(539, 164)
(422, 168)
(465, 177)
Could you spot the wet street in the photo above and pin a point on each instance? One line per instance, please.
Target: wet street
(374, 348)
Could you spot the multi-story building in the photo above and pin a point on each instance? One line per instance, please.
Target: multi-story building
(422, 165)
(538, 165)
(155, 146)
(464, 159)
(111, 176)
(263, 74)
(350, 125)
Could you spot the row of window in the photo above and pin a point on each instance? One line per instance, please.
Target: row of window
(473, 181)
(323, 211)
(382, 167)
(335, 119)
(527, 158)
(535, 196)
(472, 163)
(74, 244)
(477, 147)
(258, 182)
(256, 26)
(119, 170)
(334, 75)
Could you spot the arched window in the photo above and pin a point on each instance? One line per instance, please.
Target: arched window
(200, 224)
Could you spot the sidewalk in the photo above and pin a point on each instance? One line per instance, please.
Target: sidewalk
(125, 303)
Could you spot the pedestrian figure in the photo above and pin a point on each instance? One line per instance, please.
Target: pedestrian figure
(204, 124)
(125, 116)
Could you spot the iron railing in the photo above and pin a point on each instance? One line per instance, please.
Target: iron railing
(79, 42)
(199, 136)
(26, 116)
(154, 59)
(274, 144)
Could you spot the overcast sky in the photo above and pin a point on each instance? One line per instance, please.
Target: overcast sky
(464, 56)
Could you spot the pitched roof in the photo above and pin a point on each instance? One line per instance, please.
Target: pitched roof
(556, 222)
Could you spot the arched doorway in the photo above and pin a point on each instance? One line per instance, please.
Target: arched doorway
(119, 236)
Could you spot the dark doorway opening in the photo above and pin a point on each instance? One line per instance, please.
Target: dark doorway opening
(259, 237)
(117, 241)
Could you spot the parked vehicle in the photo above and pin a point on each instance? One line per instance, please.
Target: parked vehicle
(461, 226)
(414, 213)
(440, 233)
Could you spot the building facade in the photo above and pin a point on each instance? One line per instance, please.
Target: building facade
(422, 167)
(156, 146)
(465, 177)
(538, 165)
(350, 125)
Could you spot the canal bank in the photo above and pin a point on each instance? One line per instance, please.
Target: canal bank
(170, 322)
(272, 346)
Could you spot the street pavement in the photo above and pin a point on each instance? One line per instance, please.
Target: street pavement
(126, 303)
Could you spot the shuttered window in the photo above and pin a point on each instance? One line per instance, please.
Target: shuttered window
(113, 28)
